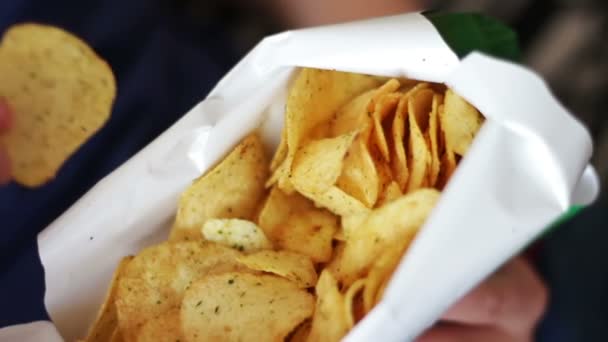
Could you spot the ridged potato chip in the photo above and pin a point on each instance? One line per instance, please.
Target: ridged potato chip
(329, 320)
(242, 235)
(292, 266)
(232, 189)
(61, 92)
(155, 280)
(243, 307)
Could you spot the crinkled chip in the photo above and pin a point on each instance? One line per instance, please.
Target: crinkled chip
(397, 220)
(359, 177)
(232, 189)
(460, 122)
(315, 96)
(155, 280)
(239, 234)
(329, 320)
(163, 328)
(106, 322)
(318, 164)
(293, 223)
(292, 266)
(62, 93)
(243, 307)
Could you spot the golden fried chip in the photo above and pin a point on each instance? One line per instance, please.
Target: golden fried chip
(318, 164)
(164, 328)
(460, 122)
(232, 189)
(382, 269)
(448, 159)
(239, 234)
(349, 301)
(329, 320)
(116, 335)
(292, 266)
(432, 133)
(62, 93)
(280, 153)
(384, 107)
(293, 223)
(243, 307)
(419, 156)
(354, 116)
(301, 333)
(359, 177)
(155, 280)
(315, 96)
(391, 193)
(106, 322)
(339, 202)
(399, 160)
(383, 226)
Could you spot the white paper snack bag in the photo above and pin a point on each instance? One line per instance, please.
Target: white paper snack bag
(519, 175)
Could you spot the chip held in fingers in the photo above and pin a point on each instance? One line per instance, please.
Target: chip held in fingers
(61, 93)
(299, 246)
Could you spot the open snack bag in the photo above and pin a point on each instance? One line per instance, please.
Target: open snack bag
(341, 182)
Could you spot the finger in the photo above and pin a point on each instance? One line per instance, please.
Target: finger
(464, 333)
(5, 115)
(5, 168)
(514, 298)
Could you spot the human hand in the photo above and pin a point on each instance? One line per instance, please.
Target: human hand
(504, 308)
(5, 123)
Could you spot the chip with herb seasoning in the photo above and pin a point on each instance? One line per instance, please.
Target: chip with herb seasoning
(61, 92)
(243, 307)
(232, 189)
(289, 265)
(350, 189)
(242, 235)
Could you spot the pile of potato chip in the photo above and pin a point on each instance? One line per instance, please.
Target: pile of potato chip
(300, 247)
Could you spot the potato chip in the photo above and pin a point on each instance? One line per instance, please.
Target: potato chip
(349, 301)
(391, 192)
(242, 235)
(293, 223)
(155, 280)
(329, 320)
(232, 189)
(164, 328)
(432, 133)
(384, 225)
(280, 153)
(62, 93)
(448, 159)
(419, 156)
(382, 269)
(243, 307)
(399, 160)
(334, 265)
(339, 203)
(460, 122)
(116, 335)
(359, 177)
(318, 164)
(385, 174)
(354, 116)
(384, 107)
(106, 322)
(292, 266)
(315, 96)
(301, 333)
